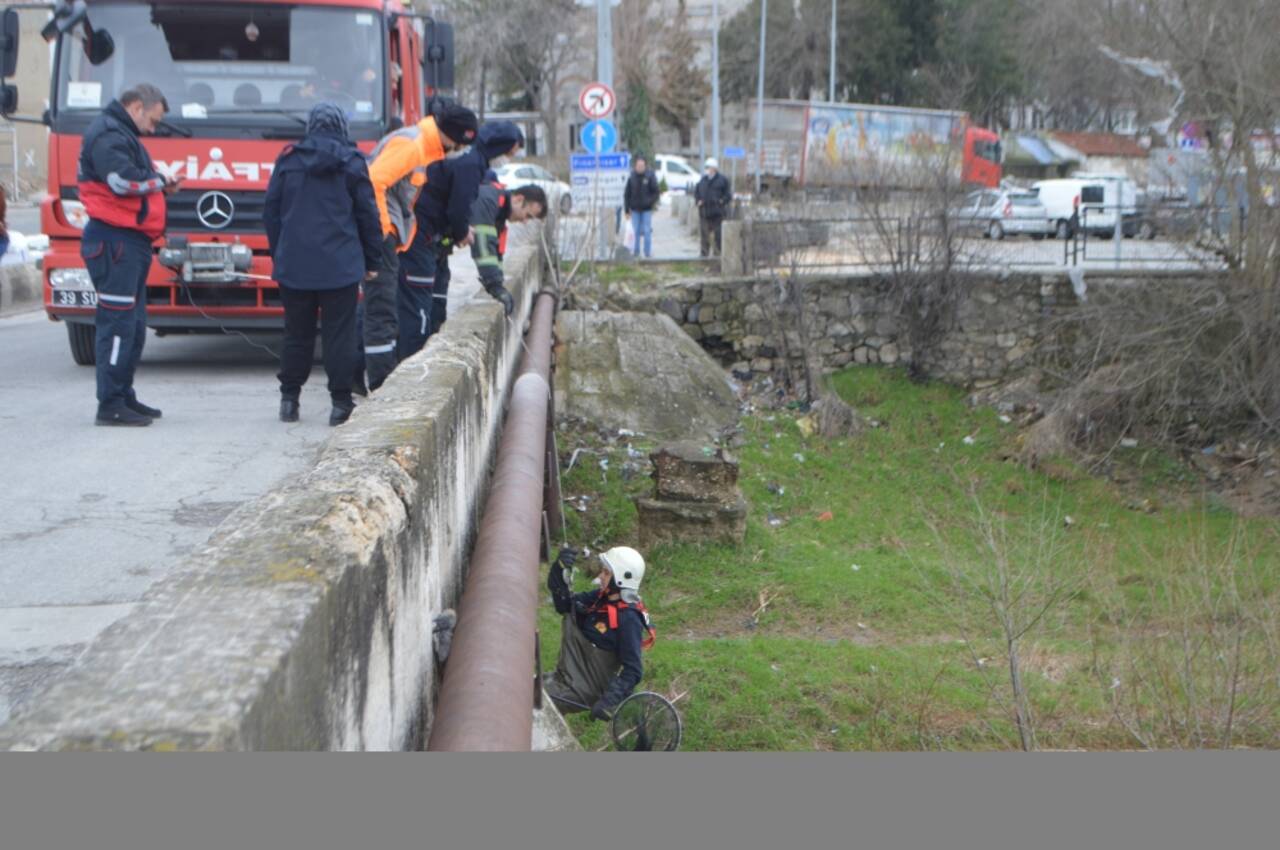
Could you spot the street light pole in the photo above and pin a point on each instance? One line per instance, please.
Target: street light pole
(831, 75)
(764, 17)
(604, 43)
(715, 78)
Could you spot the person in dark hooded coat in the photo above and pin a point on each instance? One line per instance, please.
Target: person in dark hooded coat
(325, 237)
(443, 211)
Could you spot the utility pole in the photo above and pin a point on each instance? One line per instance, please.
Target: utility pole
(764, 17)
(604, 43)
(831, 75)
(715, 79)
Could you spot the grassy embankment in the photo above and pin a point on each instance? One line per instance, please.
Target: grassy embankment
(876, 633)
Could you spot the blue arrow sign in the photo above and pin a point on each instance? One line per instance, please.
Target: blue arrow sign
(735, 153)
(599, 136)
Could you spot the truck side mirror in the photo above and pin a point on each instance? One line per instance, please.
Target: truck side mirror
(99, 46)
(437, 56)
(9, 29)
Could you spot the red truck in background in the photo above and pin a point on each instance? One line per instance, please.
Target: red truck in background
(811, 145)
(240, 78)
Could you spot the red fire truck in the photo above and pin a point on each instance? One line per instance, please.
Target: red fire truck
(240, 78)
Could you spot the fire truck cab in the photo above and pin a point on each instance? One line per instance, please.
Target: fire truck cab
(240, 77)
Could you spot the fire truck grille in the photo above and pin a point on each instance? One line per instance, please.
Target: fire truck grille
(183, 212)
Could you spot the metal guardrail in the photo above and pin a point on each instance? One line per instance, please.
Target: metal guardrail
(852, 243)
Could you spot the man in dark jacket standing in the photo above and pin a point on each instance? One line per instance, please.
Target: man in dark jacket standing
(713, 195)
(323, 228)
(638, 201)
(124, 196)
(443, 213)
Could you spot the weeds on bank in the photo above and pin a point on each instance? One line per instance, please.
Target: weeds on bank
(873, 602)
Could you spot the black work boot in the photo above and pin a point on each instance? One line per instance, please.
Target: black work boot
(138, 407)
(120, 415)
(289, 410)
(340, 413)
(358, 387)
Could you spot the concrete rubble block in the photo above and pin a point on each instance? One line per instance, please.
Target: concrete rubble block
(640, 372)
(695, 472)
(690, 522)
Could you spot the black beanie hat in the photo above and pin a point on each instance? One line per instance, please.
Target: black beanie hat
(458, 123)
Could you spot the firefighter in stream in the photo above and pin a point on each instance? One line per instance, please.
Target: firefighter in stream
(601, 636)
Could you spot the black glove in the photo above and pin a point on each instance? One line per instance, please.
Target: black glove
(567, 558)
(600, 712)
(499, 292)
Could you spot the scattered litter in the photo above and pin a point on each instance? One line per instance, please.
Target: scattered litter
(1068, 521)
(874, 423)
(1128, 443)
(604, 463)
(874, 669)
(634, 453)
(854, 567)
(775, 668)
(799, 458)
(708, 451)
(808, 425)
(826, 516)
(982, 662)
(834, 731)
(942, 445)
(1208, 450)
(1115, 683)
(775, 488)
(862, 626)
(774, 520)
(1005, 419)
(625, 432)
(968, 440)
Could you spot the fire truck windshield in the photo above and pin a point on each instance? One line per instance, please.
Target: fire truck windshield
(243, 65)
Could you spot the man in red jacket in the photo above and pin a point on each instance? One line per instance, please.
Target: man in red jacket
(124, 196)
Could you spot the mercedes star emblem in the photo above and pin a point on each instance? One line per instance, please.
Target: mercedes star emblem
(214, 209)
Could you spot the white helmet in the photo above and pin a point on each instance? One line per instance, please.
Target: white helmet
(626, 565)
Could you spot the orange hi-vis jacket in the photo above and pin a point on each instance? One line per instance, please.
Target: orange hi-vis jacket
(398, 171)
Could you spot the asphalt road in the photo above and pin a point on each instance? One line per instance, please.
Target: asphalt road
(91, 518)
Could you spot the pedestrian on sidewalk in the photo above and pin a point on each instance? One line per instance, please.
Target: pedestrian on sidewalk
(124, 195)
(638, 202)
(714, 196)
(325, 238)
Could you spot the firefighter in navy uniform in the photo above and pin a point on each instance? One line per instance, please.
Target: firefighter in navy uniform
(494, 209)
(443, 213)
(124, 196)
(602, 634)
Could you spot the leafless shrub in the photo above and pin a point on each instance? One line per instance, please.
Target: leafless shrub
(1192, 660)
(1005, 582)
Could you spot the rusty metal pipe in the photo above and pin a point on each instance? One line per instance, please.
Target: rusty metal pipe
(486, 699)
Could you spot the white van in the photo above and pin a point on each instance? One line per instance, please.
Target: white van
(680, 174)
(1087, 200)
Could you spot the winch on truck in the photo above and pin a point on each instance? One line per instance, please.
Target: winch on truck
(240, 78)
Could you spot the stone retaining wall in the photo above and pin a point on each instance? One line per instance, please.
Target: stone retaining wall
(747, 325)
(305, 622)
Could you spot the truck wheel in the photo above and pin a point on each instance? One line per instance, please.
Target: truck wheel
(995, 231)
(566, 203)
(81, 338)
(1063, 230)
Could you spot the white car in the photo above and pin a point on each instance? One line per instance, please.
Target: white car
(681, 176)
(516, 174)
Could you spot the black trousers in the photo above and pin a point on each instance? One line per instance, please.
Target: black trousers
(710, 227)
(381, 315)
(336, 310)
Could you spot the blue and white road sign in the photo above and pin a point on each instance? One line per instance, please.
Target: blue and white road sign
(598, 180)
(735, 153)
(599, 136)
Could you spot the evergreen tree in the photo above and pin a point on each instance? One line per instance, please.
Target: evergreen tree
(634, 128)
